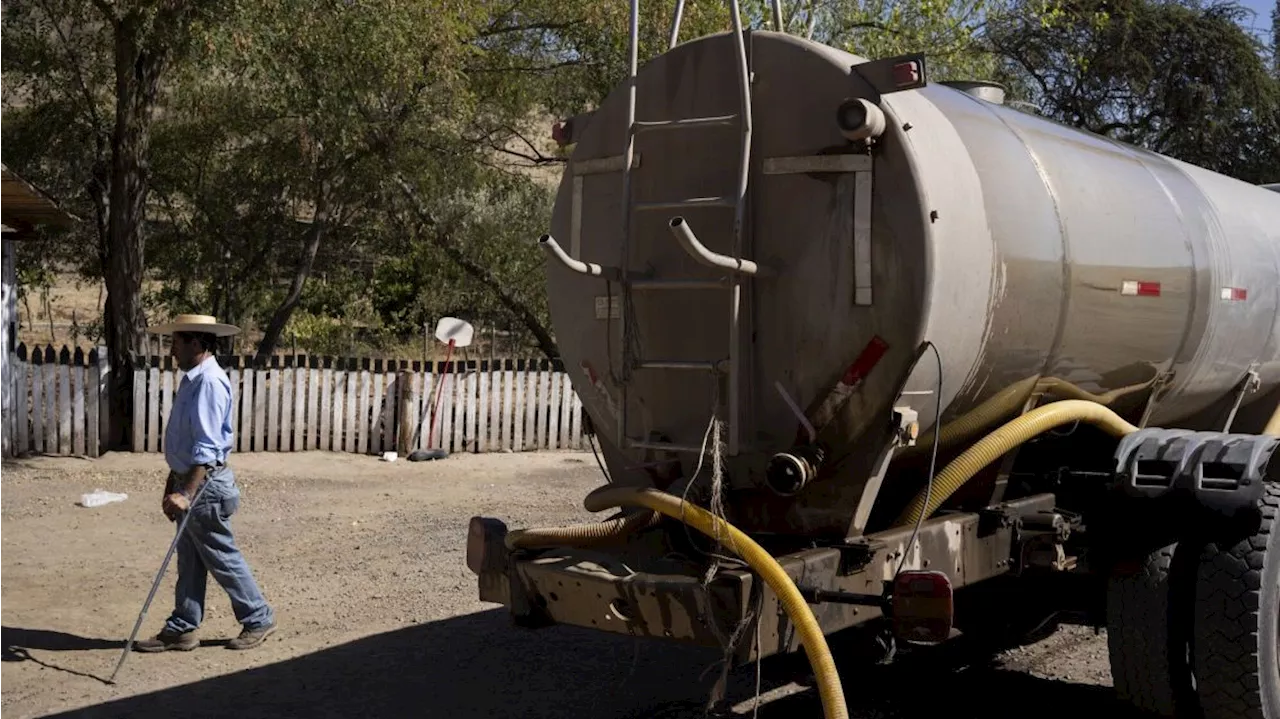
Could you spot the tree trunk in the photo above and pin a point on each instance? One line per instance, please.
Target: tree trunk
(440, 238)
(138, 74)
(315, 235)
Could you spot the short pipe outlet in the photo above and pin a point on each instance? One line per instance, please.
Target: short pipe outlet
(859, 119)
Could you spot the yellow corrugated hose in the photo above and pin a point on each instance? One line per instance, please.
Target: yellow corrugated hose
(811, 636)
(581, 535)
(993, 446)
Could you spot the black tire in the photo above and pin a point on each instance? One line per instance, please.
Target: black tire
(1237, 600)
(1146, 633)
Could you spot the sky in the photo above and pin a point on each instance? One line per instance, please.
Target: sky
(1262, 20)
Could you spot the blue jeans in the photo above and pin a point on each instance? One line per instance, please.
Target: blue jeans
(208, 547)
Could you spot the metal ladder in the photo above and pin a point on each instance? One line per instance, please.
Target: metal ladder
(731, 364)
(736, 267)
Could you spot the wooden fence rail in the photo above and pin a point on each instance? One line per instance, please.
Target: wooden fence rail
(369, 407)
(57, 405)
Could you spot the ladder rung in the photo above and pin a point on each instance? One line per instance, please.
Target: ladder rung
(700, 365)
(679, 284)
(691, 202)
(684, 123)
(661, 446)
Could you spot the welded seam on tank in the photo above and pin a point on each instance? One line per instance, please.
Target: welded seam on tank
(1193, 303)
(1268, 347)
(1064, 306)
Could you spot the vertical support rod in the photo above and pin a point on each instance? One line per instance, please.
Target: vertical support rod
(627, 159)
(777, 15)
(735, 296)
(675, 24)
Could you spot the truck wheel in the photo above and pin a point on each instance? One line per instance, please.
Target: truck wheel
(1146, 634)
(1237, 600)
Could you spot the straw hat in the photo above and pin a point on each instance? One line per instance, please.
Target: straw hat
(195, 323)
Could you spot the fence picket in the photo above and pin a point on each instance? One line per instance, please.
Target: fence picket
(375, 412)
(508, 409)
(64, 409)
(286, 409)
(20, 405)
(51, 404)
(349, 412)
(553, 412)
(313, 410)
(166, 402)
(233, 375)
(260, 409)
(460, 410)
(273, 411)
(244, 438)
(153, 409)
(77, 410)
(363, 423)
(325, 441)
(299, 406)
(93, 430)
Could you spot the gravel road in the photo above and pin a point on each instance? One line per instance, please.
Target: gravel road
(364, 563)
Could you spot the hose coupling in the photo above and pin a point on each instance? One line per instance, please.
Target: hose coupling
(788, 472)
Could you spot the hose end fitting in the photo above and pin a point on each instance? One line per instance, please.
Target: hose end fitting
(788, 472)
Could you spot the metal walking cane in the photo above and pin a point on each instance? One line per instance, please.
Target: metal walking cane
(182, 526)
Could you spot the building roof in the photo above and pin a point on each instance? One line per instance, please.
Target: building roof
(23, 206)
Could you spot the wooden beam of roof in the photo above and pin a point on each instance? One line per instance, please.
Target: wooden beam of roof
(22, 205)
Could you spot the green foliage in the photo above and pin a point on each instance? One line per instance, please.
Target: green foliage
(1183, 79)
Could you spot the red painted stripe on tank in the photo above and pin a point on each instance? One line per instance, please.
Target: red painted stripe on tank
(852, 378)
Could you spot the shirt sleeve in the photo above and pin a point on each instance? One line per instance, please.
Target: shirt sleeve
(206, 421)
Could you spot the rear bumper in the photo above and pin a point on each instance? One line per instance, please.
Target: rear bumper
(594, 589)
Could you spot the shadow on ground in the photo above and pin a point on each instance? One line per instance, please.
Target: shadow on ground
(478, 665)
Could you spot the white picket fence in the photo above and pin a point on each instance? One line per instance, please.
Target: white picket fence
(57, 402)
(510, 406)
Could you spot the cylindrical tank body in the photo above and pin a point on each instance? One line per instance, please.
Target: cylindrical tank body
(1020, 248)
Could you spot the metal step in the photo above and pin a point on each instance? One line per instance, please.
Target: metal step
(691, 202)
(686, 123)
(649, 285)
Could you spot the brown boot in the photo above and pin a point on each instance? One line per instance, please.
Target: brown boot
(250, 638)
(166, 640)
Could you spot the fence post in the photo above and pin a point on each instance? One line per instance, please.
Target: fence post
(404, 408)
(104, 399)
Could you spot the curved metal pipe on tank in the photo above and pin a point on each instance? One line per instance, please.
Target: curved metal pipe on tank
(699, 252)
(553, 248)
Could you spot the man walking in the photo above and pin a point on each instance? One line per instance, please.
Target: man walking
(197, 440)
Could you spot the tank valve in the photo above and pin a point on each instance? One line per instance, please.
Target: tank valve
(788, 472)
(859, 119)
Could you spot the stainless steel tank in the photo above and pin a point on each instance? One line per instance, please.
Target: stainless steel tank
(1021, 248)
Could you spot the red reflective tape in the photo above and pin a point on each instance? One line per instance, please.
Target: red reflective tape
(1235, 294)
(906, 73)
(870, 356)
(1139, 288)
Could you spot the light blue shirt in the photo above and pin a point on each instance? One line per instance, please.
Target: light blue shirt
(199, 428)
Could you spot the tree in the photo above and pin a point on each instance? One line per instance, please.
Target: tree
(106, 62)
(1185, 80)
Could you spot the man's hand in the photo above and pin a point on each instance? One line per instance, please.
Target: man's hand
(168, 489)
(175, 504)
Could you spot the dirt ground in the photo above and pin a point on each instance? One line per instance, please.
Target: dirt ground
(364, 562)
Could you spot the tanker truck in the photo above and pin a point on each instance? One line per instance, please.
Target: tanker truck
(872, 357)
